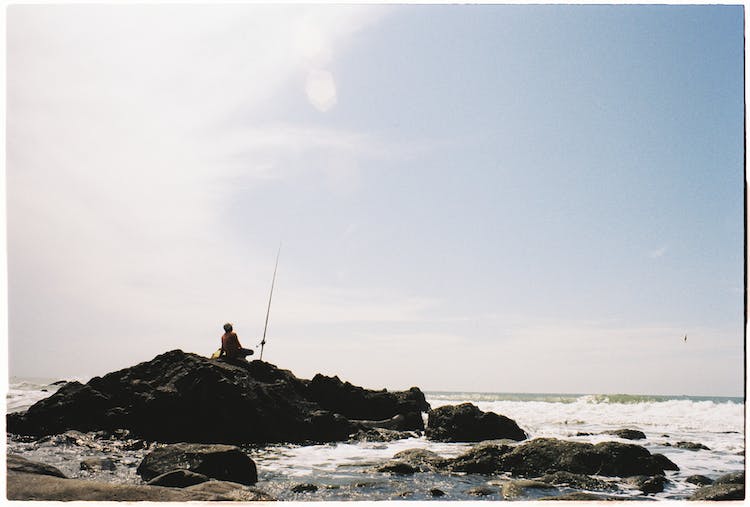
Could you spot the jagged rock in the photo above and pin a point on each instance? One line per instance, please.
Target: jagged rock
(222, 462)
(700, 480)
(182, 397)
(466, 423)
(304, 488)
(178, 479)
(18, 464)
(95, 464)
(720, 492)
(692, 446)
(483, 458)
(357, 403)
(519, 488)
(548, 455)
(627, 434)
(578, 481)
(422, 459)
(648, 485)
(731, 478)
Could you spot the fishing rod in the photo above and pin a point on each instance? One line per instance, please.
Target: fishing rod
(268, 311)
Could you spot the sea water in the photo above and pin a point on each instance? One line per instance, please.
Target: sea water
(346, 470)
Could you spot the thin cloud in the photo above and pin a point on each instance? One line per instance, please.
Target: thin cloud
(658, 253)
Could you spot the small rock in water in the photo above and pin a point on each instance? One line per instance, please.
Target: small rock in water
(405, 494)
(692, 446)
(435, 492)
(517, 488)
(96, 464)
(700, 480)
(649, 485)
(398, 467)
(304, 488)
(481, 491)
(423, 459)
(627, 434)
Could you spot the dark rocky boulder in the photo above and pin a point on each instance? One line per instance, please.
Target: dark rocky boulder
(720, 492)
(466, 423)
(182, 397)
(222, 462)
(304, 488)
(358, 403)
(520, 488)
(381, 435)
(398, 467)
(627, 434)
(548, 455)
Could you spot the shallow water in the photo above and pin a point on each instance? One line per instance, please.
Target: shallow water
(346, 471)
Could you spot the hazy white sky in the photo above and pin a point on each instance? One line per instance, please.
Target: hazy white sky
(489, 198)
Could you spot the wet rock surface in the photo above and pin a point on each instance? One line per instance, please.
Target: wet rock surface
(178, 479)
(466, 423)
(18, 464)
(195, 399)
(578, 481)
(720, 492)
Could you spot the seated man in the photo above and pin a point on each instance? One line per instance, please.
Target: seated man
(230, 345)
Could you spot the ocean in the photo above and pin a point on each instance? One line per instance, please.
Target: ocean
(345, 471)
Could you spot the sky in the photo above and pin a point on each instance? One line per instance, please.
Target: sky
(467, 197)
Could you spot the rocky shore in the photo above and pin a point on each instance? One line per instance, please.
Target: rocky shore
(192, 421)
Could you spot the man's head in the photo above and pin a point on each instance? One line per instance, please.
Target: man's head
(227, 327)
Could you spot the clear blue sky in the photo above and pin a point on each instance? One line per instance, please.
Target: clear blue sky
(492, 198)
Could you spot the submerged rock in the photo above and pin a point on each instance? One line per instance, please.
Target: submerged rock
(627, 434)
(519, 488)
(95, 464)
(222, 462)
(692, 446)
(578, 481)
(304, 488)
(466, 423)
(425, 460)
(182, 397)
(700, 480)
(398, 467)
(481, 491)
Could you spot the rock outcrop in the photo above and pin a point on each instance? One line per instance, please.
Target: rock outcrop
(466, 423)
(613, 459)
(627, 434)
(183, 397)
